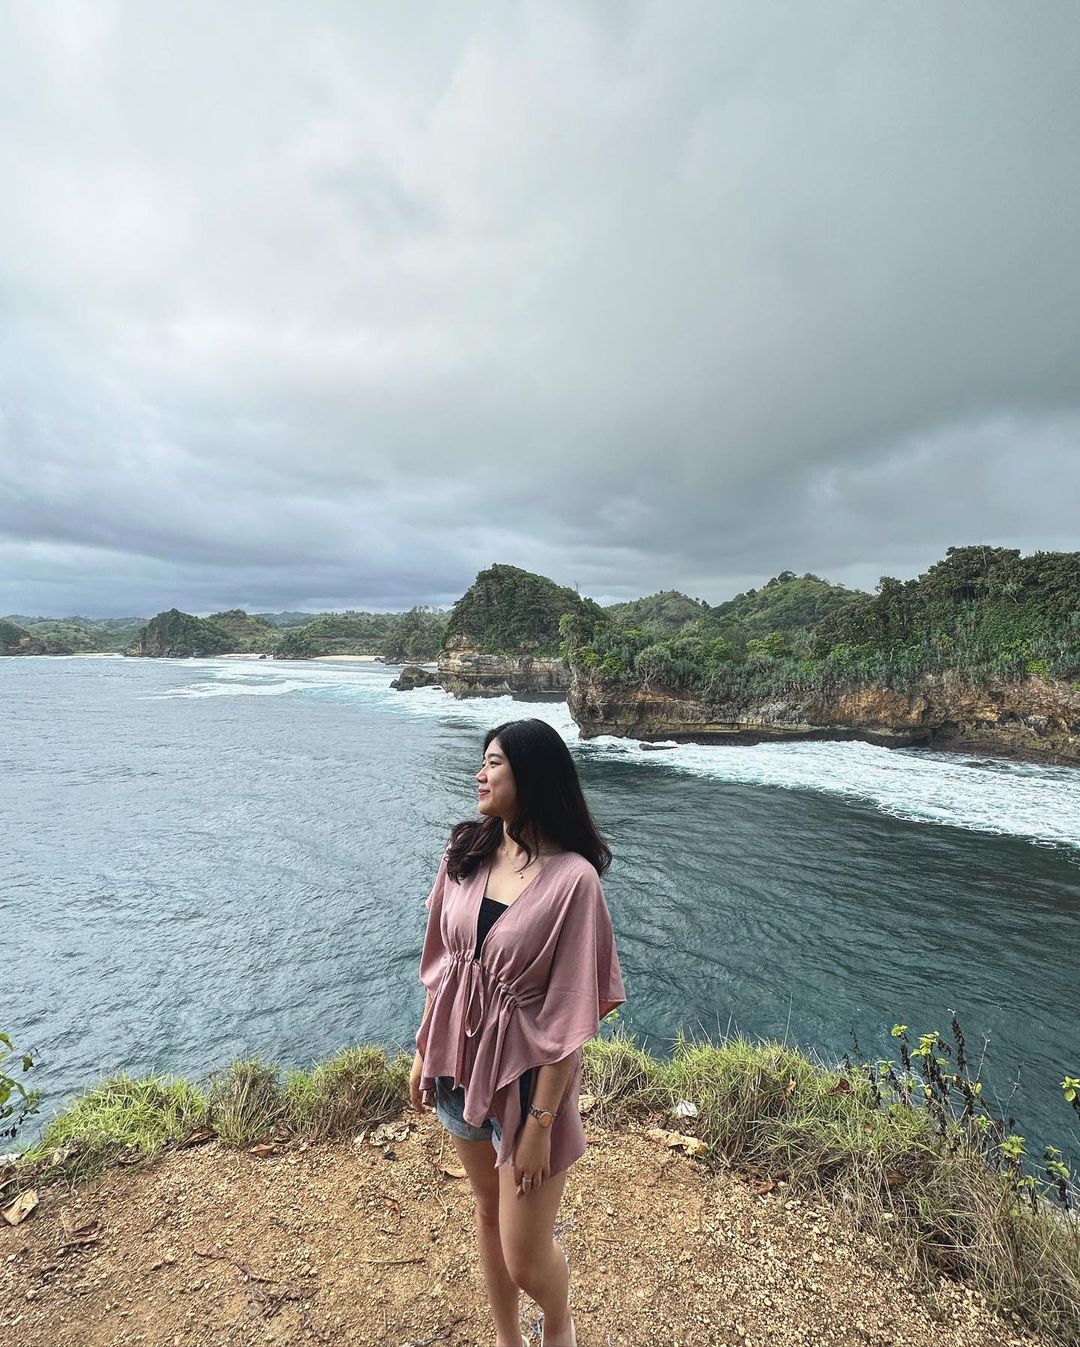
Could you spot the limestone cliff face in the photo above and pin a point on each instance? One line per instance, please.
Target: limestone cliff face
(469, 673)
(1033, 717)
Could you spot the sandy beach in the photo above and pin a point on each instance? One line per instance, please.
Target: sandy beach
(316, 659)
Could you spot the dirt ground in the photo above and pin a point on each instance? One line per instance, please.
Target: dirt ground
(371, 1241)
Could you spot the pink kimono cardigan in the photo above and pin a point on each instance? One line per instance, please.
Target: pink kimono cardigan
(547, 974)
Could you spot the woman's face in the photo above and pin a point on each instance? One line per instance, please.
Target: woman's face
(496, 791)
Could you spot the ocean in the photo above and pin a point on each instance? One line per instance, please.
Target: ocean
(212, 859)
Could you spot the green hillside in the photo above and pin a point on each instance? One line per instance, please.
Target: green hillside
(980, 613)
(177, 635)
(662, 614)
(287, 619)
(244, 634)
(348, 633)
(417, 635)
(16, 640)
(510, 611)
(77, 635)
(786, 604)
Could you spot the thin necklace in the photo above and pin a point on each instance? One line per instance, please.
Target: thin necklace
(513, 867)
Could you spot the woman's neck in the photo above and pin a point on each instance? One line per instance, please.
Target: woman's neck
(537, 845)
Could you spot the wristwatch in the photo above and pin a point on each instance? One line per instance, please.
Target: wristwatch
(543, 1116)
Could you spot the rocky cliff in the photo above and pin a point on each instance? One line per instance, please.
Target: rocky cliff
(1034, 716)
(469, 673)
(414, 676)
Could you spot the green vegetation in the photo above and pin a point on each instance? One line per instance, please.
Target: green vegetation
(907, 1148)
(981, 613)
(245, 634)
(417, 636)
(986, 611)
(287, 619)
(119, 1120)
(60, 636)
(296, 643)
(26, 1101)
(348, 633)
(123, 1119)
(661, 614)
(178, 635)
(787, 603)
(508, 611)
(25, 635)
(14, 640)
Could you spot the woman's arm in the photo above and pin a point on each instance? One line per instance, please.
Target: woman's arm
(418, 1066)
(532, 1150)
(549, 1087)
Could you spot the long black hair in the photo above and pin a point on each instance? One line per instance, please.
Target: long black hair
(550, 803)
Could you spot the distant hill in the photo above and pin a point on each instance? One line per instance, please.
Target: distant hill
(349, 633)
(16, 640)
(661, 614)
(287, 619)
(785, 604)
(417, 635)
(244, 633)
(177, 635)
(509, 611)
(76, 635)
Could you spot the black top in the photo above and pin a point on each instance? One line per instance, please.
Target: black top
(490, 912)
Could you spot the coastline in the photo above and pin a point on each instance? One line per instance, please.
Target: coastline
(968, 747)
(351, 659)
(314, 659)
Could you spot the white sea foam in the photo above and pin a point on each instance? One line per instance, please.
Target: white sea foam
(263, 678)
(1030, 800)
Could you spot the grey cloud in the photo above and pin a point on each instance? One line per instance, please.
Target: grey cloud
(299, 309)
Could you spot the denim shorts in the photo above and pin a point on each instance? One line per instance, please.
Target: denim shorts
(448, 1109)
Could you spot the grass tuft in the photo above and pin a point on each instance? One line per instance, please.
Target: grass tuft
(119, 1121)
(356, 1087)
(246, 1102)
(621, 1076)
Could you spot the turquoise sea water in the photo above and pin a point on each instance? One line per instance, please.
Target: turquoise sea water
(206, 859)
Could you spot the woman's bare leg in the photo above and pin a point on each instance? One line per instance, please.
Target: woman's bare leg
(478, 1158)
(534, 1258)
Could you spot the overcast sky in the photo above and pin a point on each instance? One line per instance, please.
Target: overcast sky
(309, 305)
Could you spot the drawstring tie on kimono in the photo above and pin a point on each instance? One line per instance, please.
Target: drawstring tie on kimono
(476, 998)
(476, 994)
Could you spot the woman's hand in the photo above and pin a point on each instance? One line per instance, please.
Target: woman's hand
(532, 1158)
(419, 1101)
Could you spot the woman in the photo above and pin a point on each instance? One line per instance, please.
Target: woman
(520, 966)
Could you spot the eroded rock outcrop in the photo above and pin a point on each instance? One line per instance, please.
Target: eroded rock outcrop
(470, 673)
(413, 676)
(1033, 716)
